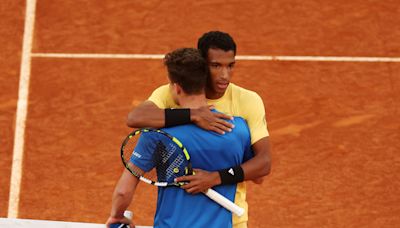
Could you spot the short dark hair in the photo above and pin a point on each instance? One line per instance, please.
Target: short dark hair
(215, 40)
(188, 69)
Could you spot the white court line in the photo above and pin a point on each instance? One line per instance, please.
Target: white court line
(97, 56)
(238, 57)
(29, 223)
(22, 105)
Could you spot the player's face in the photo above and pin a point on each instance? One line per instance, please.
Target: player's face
(221, 65)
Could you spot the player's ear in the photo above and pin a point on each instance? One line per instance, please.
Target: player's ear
(178, 88)
(172, 87)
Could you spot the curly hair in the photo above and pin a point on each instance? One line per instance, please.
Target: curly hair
(187, 68)
(216, 40)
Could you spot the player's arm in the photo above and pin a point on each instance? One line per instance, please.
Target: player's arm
(147, 114)
(155, 113)
(253, 169)
(122, 197)
(260, 165)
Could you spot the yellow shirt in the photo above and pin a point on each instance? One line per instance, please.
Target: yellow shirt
(236, 101)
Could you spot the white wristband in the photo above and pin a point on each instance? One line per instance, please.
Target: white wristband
(128, 214)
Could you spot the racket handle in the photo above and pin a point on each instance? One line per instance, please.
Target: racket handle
(119, 225)
(223, 201)
(128, 214)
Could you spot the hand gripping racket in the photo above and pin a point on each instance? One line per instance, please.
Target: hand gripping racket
(170, 159)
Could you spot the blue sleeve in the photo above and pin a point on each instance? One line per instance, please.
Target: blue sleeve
(142, 155)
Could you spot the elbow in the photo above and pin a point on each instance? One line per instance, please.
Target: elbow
(263, 171)
(133, 120)
(131, 123)
(122, 193)
(266, 170)
(259, 180)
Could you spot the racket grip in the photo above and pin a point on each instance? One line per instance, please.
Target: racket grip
(119, 225)
(223, 201)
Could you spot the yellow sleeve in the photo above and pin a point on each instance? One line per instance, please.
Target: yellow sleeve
(162, 97)
(252, 109)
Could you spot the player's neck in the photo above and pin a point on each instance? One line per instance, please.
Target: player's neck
(214, 95)
(193, 101)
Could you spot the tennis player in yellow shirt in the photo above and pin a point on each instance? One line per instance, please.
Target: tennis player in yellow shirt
(160, 110)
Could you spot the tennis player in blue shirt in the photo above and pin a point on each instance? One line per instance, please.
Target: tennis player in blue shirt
(187, 71)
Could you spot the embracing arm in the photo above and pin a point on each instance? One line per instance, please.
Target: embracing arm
(152, 113)
(253, 169)
(148, 114)
(260, 165)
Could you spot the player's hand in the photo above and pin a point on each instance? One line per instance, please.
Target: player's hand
(208, 120)
(200, 181)
(124, 220)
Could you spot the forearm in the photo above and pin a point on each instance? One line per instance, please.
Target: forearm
(253, 169)
(123, 194)
(146, 114)
(120, 203)
(149, 115)
(257, 167)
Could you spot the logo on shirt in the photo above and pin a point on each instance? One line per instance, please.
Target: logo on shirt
(136, 154)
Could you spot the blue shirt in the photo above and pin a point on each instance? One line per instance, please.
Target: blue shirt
(208, 151)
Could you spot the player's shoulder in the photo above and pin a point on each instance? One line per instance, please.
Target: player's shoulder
(163, 88)
(161, 97)
(180, 131)
(243, 92)
(245, 97)
(160, 92)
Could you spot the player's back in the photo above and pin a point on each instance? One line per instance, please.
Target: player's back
(208, 151)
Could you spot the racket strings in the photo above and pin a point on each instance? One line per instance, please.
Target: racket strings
(169, 161)
(168, 158)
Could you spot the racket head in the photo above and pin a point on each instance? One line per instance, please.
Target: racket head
(164, 156)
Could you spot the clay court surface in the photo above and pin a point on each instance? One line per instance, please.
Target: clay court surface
(334, 126)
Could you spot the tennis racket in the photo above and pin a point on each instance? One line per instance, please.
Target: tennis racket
(171, 160)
